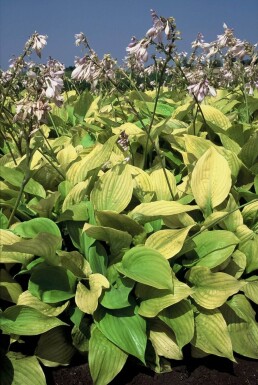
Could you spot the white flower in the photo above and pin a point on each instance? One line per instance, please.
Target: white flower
(38, 43)
(80, 38)
(138, 49)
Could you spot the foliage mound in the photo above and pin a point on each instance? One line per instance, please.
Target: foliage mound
(128, 227)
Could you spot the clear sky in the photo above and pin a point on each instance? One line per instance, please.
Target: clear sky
(110, 24)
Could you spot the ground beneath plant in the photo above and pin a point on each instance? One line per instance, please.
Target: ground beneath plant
(206, 371)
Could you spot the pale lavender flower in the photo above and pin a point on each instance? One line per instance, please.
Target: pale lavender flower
(238, 49)
(80, 38)
(158, 27)
(138, 49)
(38, 43)
(225, 39)
(201, 89)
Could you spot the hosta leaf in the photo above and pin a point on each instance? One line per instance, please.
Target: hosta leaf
(66, 156)
(211, 334)
(237, 264)
(250, 249)
(52, 284)
(75, 262)
(9, 288)
(160, 184)
(164, 341)
(119, 222)
(124, 328)
(29, 229)
(8, 238)
(114, 189)
(146, 266)
(243, 329)
(15, 178)
(76, 194)
(105, 359)
(214, 247)
(142, 184)
(43, 245)
(95, 159)
(117, 296)
(180, 318)
(117, 239)
(154, 300)
(18, 369)
(54, 348)
(250, 214)
(215, 118)
(168, 242)
(251, 288)
(146, 212)
(87, 299)
(27, 299)
(26, 321)
(211, 180)
(211, 290)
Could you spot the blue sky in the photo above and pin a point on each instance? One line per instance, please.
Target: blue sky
(110, 24)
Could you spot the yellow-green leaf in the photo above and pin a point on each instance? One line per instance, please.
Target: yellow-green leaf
(211, 334)
(105, 358)
(168, 242)
(151, 211)
(154, 300)
(164, 341)
(211, 290)
(160, 184)
(211, 180)
(114, 189)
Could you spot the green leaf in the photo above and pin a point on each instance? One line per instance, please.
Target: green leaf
(114, 189)
(106, 360)
(146, 266)
(180, 318)
(117, 296)
(43, 245)
(9, 288)
(15, 177)
(116, 239)
(211, 334)
(125, 328)
(213, 248)
(243, 329)
(31, 228)
(8, 238)
(25, 321)
(18, 369)
(52, 284)
(211, 290)
(82, 104)
(211, 180)
(155, 300)
(54, 348)
(119, 222)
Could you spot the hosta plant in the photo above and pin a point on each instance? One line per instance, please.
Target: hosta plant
(129, 218)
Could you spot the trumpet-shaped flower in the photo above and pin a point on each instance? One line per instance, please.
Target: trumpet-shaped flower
(38, 43)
